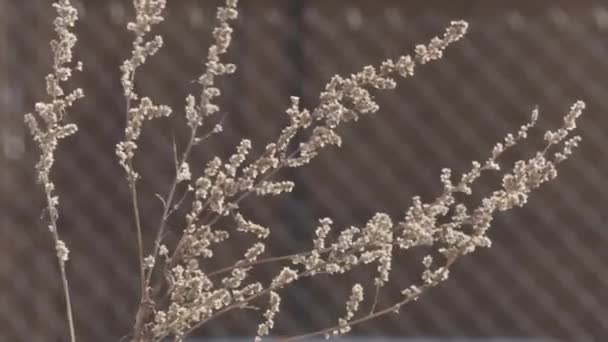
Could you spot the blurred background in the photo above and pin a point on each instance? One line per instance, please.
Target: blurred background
(545, 278)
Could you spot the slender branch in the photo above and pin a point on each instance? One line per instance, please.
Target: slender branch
(375, 303)
(168, 203)
(132, 182)
(138, 233)
(168, 207)
(371, 316)
(257, 262)
(392, 308)
(64, 278)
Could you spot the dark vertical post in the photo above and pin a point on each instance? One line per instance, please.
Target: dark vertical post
(3, 104)
(296, 208)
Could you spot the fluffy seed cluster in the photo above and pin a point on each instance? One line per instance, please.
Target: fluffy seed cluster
(346, 99)
(148, 13)
(214, 67)
(273, 309)
(352, 306)
(49, 125)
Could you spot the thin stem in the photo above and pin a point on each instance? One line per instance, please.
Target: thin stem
(257, 262)
(144, 298)
(68, 302)
(143, 308)
(167, 206)
(53, 221)
(376, 295)
(350, 323)
(392, 308)
(132, 180)
(132, 183)
(272, 259)
(168, 202)
(138, 232)
(64, 278)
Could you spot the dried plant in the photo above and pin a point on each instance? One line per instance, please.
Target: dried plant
(49, 126)
(177, 294)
